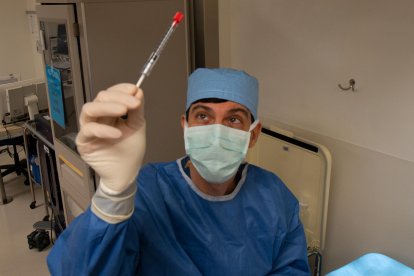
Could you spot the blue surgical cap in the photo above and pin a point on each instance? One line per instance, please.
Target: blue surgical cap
(227, 84)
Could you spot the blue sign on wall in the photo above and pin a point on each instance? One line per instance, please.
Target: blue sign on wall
(54, 85)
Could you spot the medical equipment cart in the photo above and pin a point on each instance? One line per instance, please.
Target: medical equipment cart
(305, 168)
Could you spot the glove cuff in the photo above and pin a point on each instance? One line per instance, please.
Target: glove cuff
(115, 193)
(114, 208)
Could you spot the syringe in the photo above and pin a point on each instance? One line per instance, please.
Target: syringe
(178, 17)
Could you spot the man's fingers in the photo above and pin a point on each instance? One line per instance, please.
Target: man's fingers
(136, 115)
(100, 119)
(93, 110)
(117, 97)
(126, 88)
(94, 130)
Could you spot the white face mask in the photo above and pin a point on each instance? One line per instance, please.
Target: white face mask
(216, 151)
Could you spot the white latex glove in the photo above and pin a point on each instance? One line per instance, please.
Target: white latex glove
(112, 146)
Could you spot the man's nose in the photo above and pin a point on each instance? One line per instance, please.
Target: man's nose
(220, 120)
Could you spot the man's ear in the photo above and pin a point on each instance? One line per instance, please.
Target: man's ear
(255, 135)
(183, 121)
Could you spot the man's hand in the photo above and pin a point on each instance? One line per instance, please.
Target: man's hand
(112, 146)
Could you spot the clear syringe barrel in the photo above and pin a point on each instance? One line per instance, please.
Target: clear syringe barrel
(155, 55)
(146, 71)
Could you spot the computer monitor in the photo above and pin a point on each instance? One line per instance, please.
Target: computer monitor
(13, 96)
(41, 93)
(15, 101)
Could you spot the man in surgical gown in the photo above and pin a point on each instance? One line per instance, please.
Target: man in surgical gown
(208, 213)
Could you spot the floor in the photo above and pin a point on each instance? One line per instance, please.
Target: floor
(16, 222)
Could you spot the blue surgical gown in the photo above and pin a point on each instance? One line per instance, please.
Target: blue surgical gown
(177, 230)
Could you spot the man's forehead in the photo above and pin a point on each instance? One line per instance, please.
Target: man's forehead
(228, 106)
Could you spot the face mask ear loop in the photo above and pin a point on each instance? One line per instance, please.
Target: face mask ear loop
(254, 125)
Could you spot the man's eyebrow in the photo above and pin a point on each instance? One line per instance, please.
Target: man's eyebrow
(199, 106)
(238, 109)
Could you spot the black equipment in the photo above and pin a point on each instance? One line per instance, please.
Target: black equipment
(38, 239)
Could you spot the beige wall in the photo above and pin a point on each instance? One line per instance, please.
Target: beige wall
(34, 36)
(18, 52)
(300, 51)
(16, 47)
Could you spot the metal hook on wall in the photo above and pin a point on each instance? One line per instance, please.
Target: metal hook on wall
(351, 85)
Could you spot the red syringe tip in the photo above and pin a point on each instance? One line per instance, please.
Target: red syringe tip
(178, 17)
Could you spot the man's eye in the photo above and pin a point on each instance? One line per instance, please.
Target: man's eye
(201, 116)
(234, 120)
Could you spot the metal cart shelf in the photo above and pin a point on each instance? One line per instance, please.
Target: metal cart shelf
(48, 177)
(29, 128)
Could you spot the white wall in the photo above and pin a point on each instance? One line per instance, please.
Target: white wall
(300, 50)
(18, 52)
(34, 36)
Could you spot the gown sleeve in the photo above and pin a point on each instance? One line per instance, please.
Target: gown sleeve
(91, 246)
(102, 241)
(292, 258)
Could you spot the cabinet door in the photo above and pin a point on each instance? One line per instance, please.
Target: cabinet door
(58, 31)
(118, 37)
(60, 44)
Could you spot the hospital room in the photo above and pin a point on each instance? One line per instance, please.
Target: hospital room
(207, 137)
